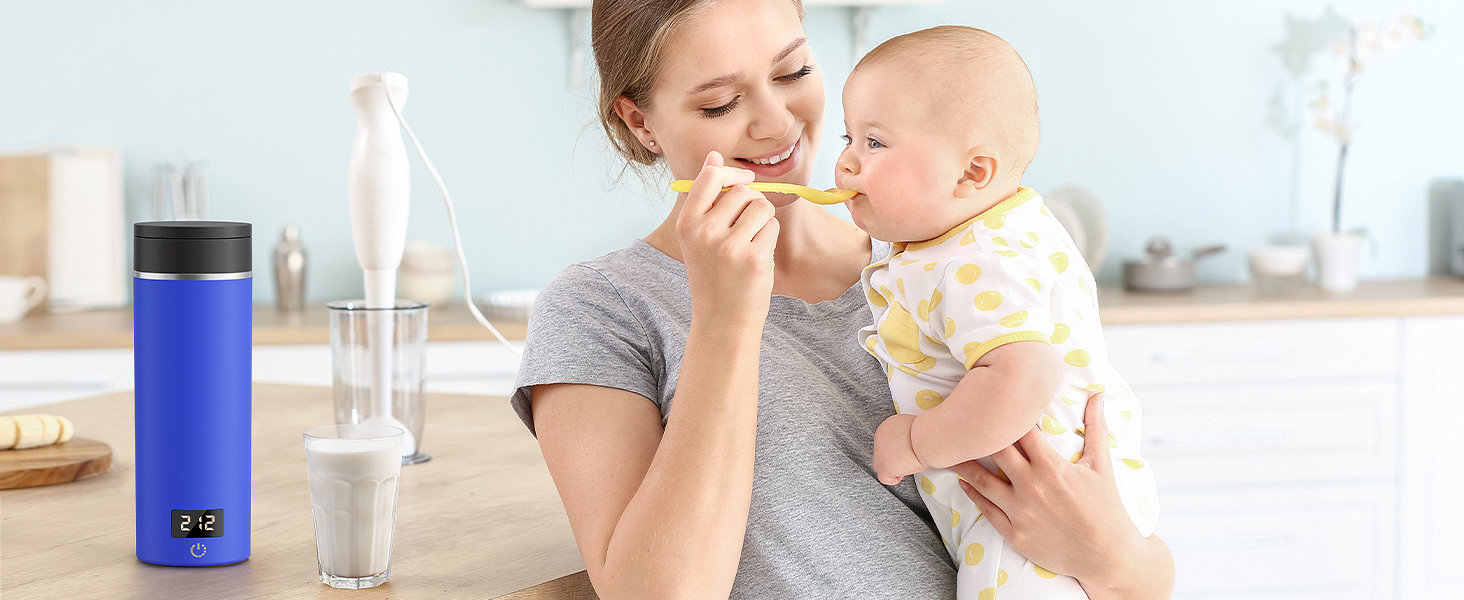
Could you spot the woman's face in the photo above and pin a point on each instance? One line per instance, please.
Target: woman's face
(739, 78)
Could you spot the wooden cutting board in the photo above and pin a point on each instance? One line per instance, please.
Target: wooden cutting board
(58, 463)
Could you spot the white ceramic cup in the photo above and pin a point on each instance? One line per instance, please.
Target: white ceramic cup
(18, 295)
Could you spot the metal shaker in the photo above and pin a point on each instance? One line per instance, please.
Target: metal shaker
(289, 271)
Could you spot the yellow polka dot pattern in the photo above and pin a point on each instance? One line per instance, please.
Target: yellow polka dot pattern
(974, 553)
(1059, 261)
(1050, 425)
(1036, 285)
(928, 399)
(1060, 333)
(1132, 464)
(988, 300)
(955, 518)
(1015, 319)
(927, 485)
(994, 221)
(968, 274)
(877, 300)
(1043, 573)
(987, 594)
(925, 306)
(1001, 577)
(1009, 253)
(1077, 358)
(950, 327)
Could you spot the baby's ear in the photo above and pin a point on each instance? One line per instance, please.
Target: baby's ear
(981, 168)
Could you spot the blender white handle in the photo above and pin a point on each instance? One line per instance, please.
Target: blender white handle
(378, 184)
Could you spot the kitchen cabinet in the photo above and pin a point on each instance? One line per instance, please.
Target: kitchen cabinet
(1312, 458)
(1432, 482)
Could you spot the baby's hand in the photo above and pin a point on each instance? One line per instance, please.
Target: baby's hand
(894, 457)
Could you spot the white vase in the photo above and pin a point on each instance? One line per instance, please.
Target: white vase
(1336, 255)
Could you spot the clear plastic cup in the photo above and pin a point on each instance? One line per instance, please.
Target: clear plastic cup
(353, 471)
(360, 368)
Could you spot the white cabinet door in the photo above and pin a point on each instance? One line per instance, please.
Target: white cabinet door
(1324, 542)
(1432, 495)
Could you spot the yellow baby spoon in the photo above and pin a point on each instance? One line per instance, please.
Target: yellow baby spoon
(832, 196)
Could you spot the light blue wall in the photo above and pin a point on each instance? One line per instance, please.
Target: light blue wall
(1156, 106)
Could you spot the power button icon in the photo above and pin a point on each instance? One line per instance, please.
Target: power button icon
(198, 550)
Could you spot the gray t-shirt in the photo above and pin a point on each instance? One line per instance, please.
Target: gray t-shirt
(821, 525)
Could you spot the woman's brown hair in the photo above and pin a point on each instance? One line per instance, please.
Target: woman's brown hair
(629, 38)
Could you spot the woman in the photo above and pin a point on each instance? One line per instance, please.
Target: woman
(705, 411)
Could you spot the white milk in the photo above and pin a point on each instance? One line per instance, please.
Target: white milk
(353, 489)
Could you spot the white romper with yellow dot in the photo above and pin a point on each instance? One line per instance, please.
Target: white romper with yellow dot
(1010, 274)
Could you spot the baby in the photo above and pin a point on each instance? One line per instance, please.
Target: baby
(986, 317)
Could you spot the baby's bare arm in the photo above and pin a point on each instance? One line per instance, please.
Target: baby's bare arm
(998, 401)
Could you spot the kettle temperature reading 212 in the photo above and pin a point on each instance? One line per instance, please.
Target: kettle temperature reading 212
(198, 523)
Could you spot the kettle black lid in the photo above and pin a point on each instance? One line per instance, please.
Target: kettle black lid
(174, 230)
(191, 248)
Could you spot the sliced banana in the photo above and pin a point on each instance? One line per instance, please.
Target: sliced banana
(50, 430)
(8, 433)
(29, 431)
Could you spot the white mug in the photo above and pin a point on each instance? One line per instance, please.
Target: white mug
(18, 295)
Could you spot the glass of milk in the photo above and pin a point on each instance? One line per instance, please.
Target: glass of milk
(353, 491)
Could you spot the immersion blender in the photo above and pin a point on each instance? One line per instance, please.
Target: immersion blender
(379, 191)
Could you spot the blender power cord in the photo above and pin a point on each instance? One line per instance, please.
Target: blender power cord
(457, 240)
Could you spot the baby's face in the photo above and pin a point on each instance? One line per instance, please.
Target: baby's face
(900, 160)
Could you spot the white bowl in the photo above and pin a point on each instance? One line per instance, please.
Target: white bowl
(1279, 261)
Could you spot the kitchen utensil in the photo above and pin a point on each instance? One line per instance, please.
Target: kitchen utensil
(1162, 272)
(379, 190)
(18, 295)
(192, 313)
(289, 271)
(831, 196)
(353, 472)
(353, 337)
(1081, 214)
(76, 459)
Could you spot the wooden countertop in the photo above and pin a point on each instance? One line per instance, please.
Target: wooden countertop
(1241, 302)
(112, 328)
(1209, 303)
(480, 520)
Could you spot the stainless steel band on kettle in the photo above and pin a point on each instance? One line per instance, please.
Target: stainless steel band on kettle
(193, 276)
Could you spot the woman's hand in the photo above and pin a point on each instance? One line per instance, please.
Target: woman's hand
(1068, 517)
(727, 240)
